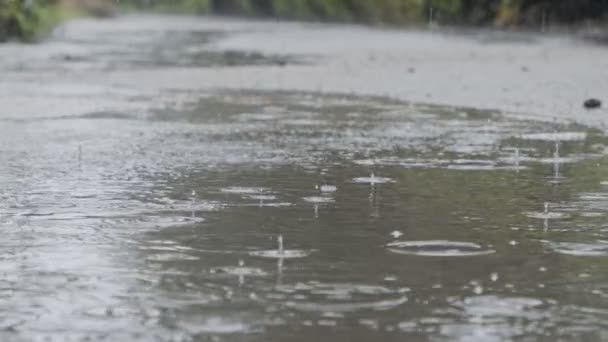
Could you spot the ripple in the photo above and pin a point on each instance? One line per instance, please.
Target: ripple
(599, 248)
(171, 257)
(328, 188)
(243, 190)
(318, 199)
(146, 222)
(286, 254)
(258, 117)
(472, 166)
(546, 216)
(239, 271)
(262, 197)
(420, 163)
(559, 160)
(511, 159)
(373, 180)
(594, 196)
(497, 306)
(559, 136)
(213, 326)
(591, 214)
(438, 248)
(406, 163)
(342, 297)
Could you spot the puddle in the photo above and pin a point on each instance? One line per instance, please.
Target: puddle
(129, 225)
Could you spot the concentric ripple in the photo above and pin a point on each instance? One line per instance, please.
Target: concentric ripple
(438, 248)
(341, 297)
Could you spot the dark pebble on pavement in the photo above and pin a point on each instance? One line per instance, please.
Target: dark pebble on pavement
(592, 104)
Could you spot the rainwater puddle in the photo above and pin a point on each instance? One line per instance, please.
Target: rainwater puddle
(398, 222)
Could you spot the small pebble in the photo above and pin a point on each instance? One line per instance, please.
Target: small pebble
(592, 104)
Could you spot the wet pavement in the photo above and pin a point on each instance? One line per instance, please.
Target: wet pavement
(162, 212)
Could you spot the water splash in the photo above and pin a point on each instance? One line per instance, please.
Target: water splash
(240, 271)
(546, 214)
(281, 252)
(373, 180)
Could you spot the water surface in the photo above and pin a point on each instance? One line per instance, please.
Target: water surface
(410, 221)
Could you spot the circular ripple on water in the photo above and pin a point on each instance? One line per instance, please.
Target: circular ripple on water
(438, 248)
(240, 190)
(471, 165)
(149, 221)
(556, 136)
(559, 160)
(319, 199)
(373, 180)
(598, 248)
(546, 216)
(239, 271)
(286, 254)
(340, 297)
(262, 197)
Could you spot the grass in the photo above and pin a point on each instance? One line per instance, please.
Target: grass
(48, 17)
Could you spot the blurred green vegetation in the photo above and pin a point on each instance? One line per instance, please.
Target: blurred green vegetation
(399, 12)
(15, 19)
(26, 18)
(29, 19)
